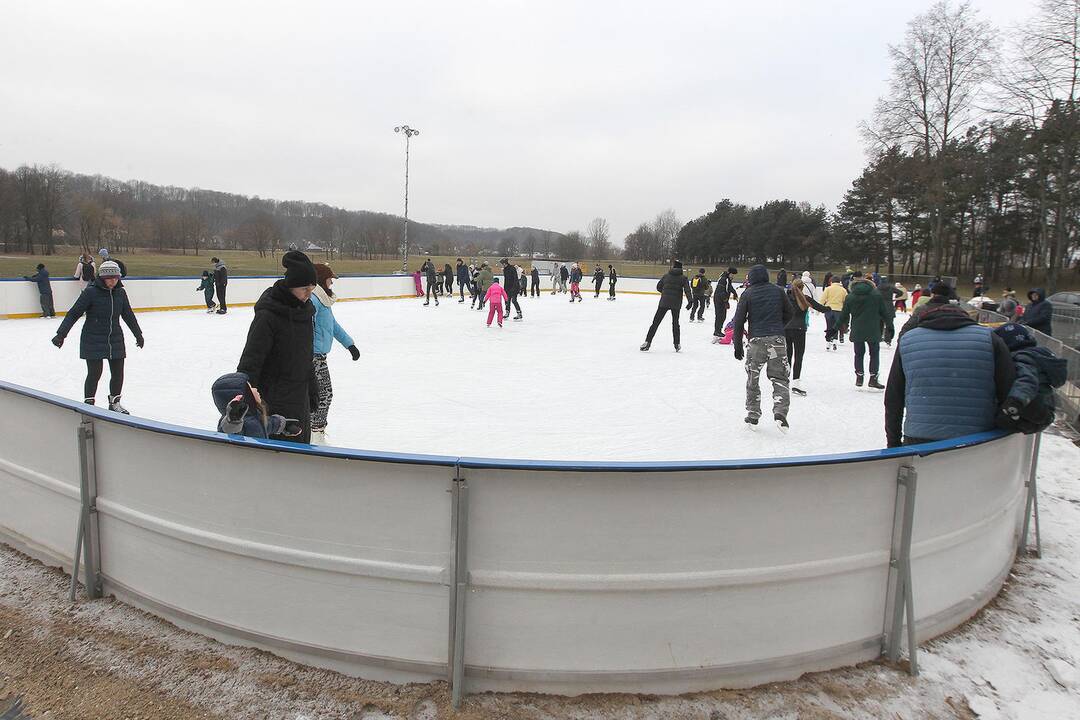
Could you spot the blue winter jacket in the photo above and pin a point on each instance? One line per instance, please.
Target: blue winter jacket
(948, 378)
(41, 277)
(102, 338)
(326, 326)
(463, 275)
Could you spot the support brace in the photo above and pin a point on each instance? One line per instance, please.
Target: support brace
(87, 539)
(1032, 504)
(899, 598)
(459, 585)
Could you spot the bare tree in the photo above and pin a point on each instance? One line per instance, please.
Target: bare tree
(598, 235)
(939, 70)
(665, 228)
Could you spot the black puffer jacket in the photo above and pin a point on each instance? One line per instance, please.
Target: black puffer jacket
(1039, 314)
(277, 356)
(510, 280)
(765, 305)
(672, 288)
(102, 338)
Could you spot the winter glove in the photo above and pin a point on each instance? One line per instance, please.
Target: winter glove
(58, 341)
(236, 409)
(1011, 408)
(738, 351)
(292, 427)
(139, 341)
(354, 352)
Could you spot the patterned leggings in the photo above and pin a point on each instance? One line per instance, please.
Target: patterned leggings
(325, 392)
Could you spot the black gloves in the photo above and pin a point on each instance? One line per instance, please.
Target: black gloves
(139, 341)
(58, 341)
(236, 410)
(292, 428)
(738, 351)
(354, 352)
(1011, 407)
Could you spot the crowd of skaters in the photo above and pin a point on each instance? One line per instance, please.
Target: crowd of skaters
(282, 387)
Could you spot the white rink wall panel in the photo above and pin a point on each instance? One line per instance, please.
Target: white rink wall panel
(19, 298)
(575, 577)
(39, 478)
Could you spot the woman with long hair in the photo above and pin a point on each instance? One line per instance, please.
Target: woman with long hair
(795, 330)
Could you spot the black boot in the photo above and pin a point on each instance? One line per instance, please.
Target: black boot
(645, 346)
(874, 383)
(859, 379)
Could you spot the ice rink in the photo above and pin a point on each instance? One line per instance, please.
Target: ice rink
(567, 382)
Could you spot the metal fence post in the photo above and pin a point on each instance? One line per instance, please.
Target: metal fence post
(1032, 504)
(88, 521)
(459, 583)
(899, 597)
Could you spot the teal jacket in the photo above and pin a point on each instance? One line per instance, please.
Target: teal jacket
(326, 326)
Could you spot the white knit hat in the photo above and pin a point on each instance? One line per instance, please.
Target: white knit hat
(109, 269)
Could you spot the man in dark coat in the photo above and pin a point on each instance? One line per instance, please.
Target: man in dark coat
(534, 290)
(672, 288)
(41, 277)
(511, 286)
(612, 278)
(725, 290)
(699, 290)
(948, 378)
(868, 313)
(221, 279)
(765, 306)
(564, 275)
(598, 279)
(1040, 313)
(462, 278)
(278, 354)
(432, 277)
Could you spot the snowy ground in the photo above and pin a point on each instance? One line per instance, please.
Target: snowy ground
(568, 382)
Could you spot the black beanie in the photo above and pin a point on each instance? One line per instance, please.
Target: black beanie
(941, 288)
(677, 264)
(299, 272)
(1016, 337)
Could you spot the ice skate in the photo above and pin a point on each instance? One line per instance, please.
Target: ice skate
(796, 387)
(115, 406)
(834, 346)
(89, 401)
(318, 436)
(874, 384)
(678, 347)
(781, 423)
(426, 304)
(221, 312)
(859, 379)
(518, 317)
(715, 339)
(751, 422)
(645, 346)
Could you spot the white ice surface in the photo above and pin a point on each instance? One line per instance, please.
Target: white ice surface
(568, 382)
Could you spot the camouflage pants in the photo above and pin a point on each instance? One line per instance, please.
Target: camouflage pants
(771, 353)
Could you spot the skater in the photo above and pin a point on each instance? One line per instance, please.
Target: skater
(221, 280)
(575, 283)
(523, 278)
(781, 278)
(888, 295)
(418, 287)
(811, 289)
(535, 274)
(277, 353)
(1039, 314)
(495, 296)
(833, 298)
(241, 414)
(432, 281)
(564, 275)
(448, 279)
(207, 287)
(901, 297)
(598, 280)
(766, 308)
(327, 330)
(1029, 408)
(700, 289)
(725, 292)
(510, 285)
(612, 278)
(867, 311)
(41, 277)
(463, 279)
(485, 278)
(104, 303)
(672, 288)
(795, 330)
(85, 270)
(949, 376)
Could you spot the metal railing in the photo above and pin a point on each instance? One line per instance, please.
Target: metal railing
(1068, 395)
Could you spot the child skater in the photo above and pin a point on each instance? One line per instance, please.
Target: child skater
(242, 414)
(207, 287)
(495, 298)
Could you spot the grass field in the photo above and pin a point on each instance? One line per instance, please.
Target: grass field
(246, 262)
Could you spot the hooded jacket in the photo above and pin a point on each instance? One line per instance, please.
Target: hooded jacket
(764, 305)
(484, 279)
(277, 356)
(1039, 314)
(1038, 372)
(575, 275)
(495, 294)
(327, 328)
(462, 274)
(224, 390)
(866, 309)
(948, 377)
(724, 289)
(102, 338)
(221, 274)
(672, 287)
(510, 279)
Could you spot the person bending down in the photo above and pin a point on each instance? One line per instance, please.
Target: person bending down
(495, 298)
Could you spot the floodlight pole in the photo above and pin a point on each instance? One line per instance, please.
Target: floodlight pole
(409, 133)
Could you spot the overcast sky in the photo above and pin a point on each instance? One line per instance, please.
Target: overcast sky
(531, 113)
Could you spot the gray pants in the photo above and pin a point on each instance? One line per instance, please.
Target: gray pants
(771, 353)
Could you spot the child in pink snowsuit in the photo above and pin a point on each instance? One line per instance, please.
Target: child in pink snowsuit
(495, 297)
(416, 281)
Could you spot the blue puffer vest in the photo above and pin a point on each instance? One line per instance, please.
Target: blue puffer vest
(949, 382)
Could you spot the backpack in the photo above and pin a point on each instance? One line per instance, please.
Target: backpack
(87, 271)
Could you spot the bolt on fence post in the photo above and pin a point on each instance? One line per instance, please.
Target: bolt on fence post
(1031, 505)
(91, 544)
(459, 538)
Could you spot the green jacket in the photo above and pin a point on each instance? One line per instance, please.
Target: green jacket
(484, 281)
(866, 310)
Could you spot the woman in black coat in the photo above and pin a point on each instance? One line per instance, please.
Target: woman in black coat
(277, 356)
(104, 302)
